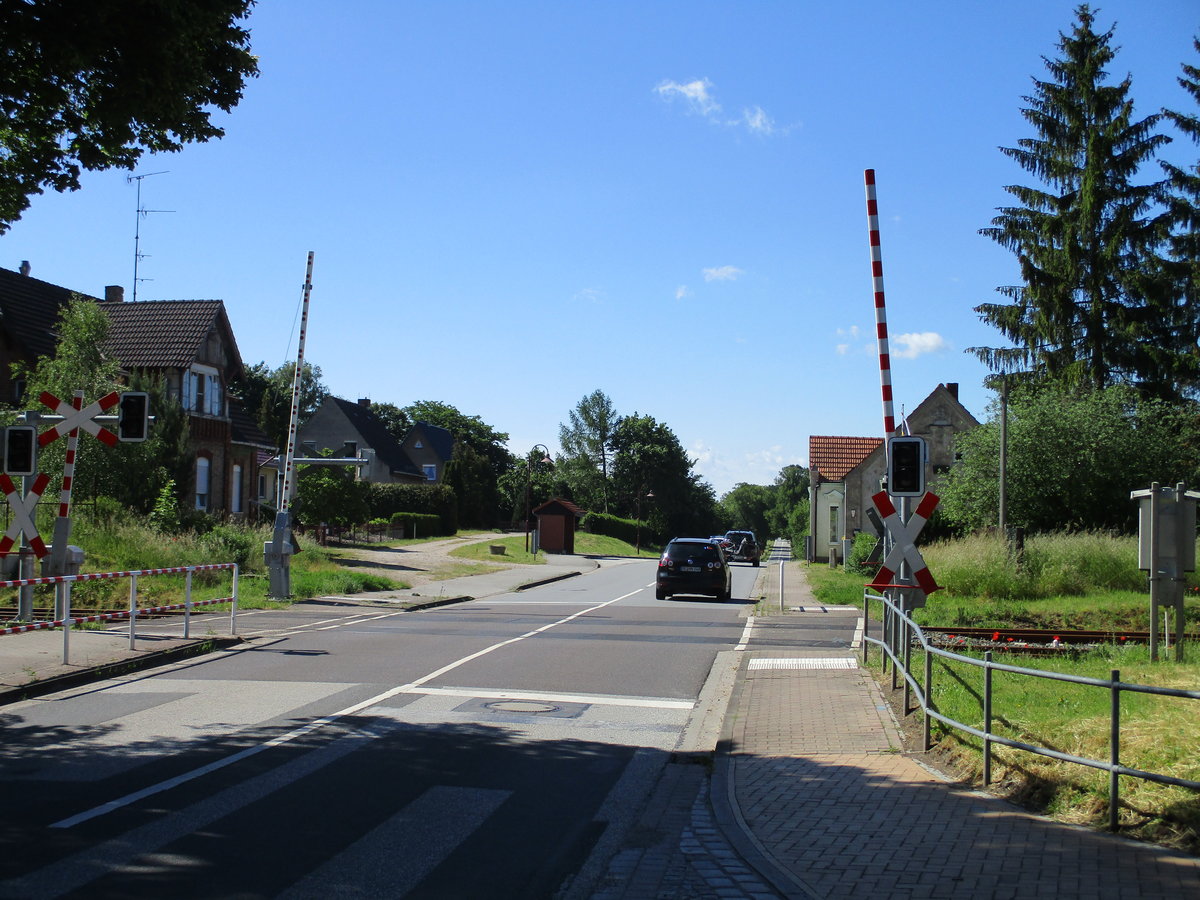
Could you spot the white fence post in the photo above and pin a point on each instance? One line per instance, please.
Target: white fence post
(132, 610)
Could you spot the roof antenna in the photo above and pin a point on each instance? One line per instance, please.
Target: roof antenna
(137, 234)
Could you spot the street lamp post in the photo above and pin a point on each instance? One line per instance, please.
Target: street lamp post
(649, 496)
(528, 481)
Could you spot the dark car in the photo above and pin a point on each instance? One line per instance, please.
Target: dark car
(693, 566)
(745, 546)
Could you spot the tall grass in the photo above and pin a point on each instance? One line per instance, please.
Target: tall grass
(984, 565)
(116, 540)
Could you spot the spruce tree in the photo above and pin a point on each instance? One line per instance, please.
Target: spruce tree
(1182, 325)
(1086, 239)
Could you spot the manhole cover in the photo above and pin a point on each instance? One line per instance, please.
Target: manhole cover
(522, 706)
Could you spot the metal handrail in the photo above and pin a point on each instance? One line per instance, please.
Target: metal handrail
(896, 620)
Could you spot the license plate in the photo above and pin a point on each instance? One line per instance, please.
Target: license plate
(689, 568)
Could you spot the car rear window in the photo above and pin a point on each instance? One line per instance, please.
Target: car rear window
(696, 550)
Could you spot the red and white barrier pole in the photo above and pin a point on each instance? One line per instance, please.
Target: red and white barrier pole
(885, 363)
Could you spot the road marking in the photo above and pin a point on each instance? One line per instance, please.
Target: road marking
(409, 688)
(590, 699)
(806, 662)
(746, 634)
(425, 832)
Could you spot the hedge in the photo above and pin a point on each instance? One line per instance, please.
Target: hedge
(622, 529)
(418, 524)
(385, 500)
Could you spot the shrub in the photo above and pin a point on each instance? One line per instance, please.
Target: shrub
(864, 543)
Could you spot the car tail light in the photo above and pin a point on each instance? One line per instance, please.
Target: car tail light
(665, 563)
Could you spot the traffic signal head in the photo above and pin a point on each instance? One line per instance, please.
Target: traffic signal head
(906, 466)
(133, 416)
(20, 450)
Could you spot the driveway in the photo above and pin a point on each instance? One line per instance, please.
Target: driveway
(419, 564)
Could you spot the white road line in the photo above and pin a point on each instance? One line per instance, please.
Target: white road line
(745, 641)
(153, 789)
(591, 699)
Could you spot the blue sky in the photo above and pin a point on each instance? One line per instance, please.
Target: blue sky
(514, 204)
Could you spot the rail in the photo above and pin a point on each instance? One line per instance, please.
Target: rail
(896, 643)
(62, 603)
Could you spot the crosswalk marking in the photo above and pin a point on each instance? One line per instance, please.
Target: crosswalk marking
(399, 854)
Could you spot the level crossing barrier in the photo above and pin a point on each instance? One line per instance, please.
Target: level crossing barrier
(62, 605)
(899, 635)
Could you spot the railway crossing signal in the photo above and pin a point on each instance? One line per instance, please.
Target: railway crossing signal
(904, 549)
(906, 466)
(20, 450)
(133, 416)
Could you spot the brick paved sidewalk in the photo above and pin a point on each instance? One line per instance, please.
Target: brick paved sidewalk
(818, 785)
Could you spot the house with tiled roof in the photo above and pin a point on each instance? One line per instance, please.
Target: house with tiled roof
(189, 343)
(847, 471)
(353, 429)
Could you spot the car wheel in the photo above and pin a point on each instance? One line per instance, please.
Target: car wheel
(756, 564)
(726, 596)
(661, 594)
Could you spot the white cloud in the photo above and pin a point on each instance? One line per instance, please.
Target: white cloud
(694, 93)
(758, 121)
(700, 99)
(843, 349)
(682, 291)
(853, 331)
(722, 273)
(590, 295)
(918, 344)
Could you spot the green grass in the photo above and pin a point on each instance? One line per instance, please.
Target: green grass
(1075, 719)
(585, 545)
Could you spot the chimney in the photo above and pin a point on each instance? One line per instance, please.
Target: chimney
(25, 267)
(364, 402)
(952, 387)
(114, 293)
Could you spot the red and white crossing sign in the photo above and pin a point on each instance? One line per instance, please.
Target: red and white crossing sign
(22, 514)
(904, 548)
(79, 418)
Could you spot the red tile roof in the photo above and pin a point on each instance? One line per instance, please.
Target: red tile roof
(834, 457)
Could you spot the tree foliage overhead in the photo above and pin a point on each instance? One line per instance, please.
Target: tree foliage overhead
(92, 84)
(1090, 309)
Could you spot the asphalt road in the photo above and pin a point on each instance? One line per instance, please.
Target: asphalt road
(475, 750)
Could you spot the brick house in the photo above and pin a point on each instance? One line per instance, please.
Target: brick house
(188, 342)
(846, 471)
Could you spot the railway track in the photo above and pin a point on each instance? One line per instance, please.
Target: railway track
(1026, 639)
